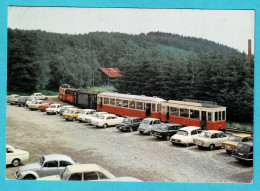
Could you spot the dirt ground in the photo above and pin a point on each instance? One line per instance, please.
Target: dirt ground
(123, 154)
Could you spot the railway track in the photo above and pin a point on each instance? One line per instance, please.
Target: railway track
(229, 130)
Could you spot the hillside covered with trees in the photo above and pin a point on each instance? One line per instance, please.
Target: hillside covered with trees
(156, 64)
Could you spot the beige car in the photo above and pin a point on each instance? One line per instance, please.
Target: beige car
(234, 140)
(210, 139)
(35, 104)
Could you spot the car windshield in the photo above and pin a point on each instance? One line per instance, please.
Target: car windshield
(52, 106)
(83, 112)
(94, 115)
(182, 132)
(101, 117)
(41, 161)
(234, 138)
(243, 148)
(127, 121)
(145, 122)
(45, 104)
(70, 111)
(163, 127)
(205, 134)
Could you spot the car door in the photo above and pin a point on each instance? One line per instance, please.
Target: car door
(214, 139)
(49, 168)
(75, 177)
(90, 176)
(9, 155)
(222, 137)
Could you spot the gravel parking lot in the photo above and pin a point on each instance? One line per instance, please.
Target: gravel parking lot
(123, 154)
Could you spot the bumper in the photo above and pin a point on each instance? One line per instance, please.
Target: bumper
(144, 131)
(241, 158)
(16, 175)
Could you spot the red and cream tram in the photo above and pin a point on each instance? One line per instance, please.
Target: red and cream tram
(204, 114)
(129, 105)
(62, 94)
(70, 95)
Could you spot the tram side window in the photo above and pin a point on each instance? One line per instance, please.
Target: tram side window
(163, 109)
(209, 116)
(219, 116)
(194, 114)
(139, 105)
(112, 101)
(153, 107)
(158, 107)
(184, 112)
(125, 103)
(216, 116)
(106, 100)
(223, 115)
(174, 111)
(132, 104)
(118, 102)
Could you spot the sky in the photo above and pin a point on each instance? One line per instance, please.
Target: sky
(229, 27)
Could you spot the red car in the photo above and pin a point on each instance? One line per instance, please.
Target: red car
(45, 105)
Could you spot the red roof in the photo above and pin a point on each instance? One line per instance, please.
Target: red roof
(111, 72)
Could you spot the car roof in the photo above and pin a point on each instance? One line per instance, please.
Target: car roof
(88, 110)
(151, 119)
(57, 156)
(250, 143)
(55, 104)
(242, 135)
(189, 128)
(107, 115)
(132, 117)
(80, 168)
(9, 146)
(171, 124)
(68, 106)
(214, 131)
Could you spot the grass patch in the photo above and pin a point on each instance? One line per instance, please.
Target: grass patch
(103, 89)
(44, 92)
(239, 126)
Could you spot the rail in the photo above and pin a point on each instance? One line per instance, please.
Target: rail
(230, 130)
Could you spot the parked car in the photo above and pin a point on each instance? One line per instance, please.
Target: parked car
(13, 99)
(45, 105)
(185, 135)
(107, 120)
(72, 114)
(82, 172)
(244, 152)
(88, 119)
(63, 108)
(22, 101)
(84, 113)
(35, 104)
(53, 109)
(39, 96)
(210, 139)
(166, 130)
(15, 156)
(29, 101)
(48, 165)
(148, 124)
(234, 140)
(129, 124)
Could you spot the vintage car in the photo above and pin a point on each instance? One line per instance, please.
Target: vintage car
(45, 105)
(210, 139)
(35, 104)
(15, 156)
(22, 101)
(39, 96)
(129, 124)
(84, 113)
(82, 172)
(166, 130)
(107, 120)
(53, 109)
(72, 114)
(63, 108)
(234, 140)
(29, 101)
(88, 119)
(48, 165)
(185, 135)
(244, 152)
(148, 124)
(13, 99)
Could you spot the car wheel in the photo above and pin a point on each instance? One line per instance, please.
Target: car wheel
(41, 110)
(211, 147)
(16, 162)
(57, 113)
(73, 119)
(228, 151)
(173, 143)
(141, 132)
(131, 129)
(29, 177)
(168, 138)
(80, 121)
(105, 126)
(187, 145)
(159, 138)
(200, 147)
(19, 105)
(48, 113)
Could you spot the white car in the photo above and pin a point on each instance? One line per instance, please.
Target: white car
(63, 108)
(29, 101)
(35, 104)
(88, 119)
(107, 120)
(12, 98)
(82, 172)
(84, 113)
(15, 156)
(186, 135)
(53, 109)
(39, 96)
(210, 139)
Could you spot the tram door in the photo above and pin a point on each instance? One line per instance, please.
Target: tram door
(167, 113)
(203, 120)
(148, 109)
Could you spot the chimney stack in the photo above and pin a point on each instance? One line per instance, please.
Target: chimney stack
(249, 49)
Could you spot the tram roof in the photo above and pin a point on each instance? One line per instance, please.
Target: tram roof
(86, 92)
(206, 105)
(133, 97)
